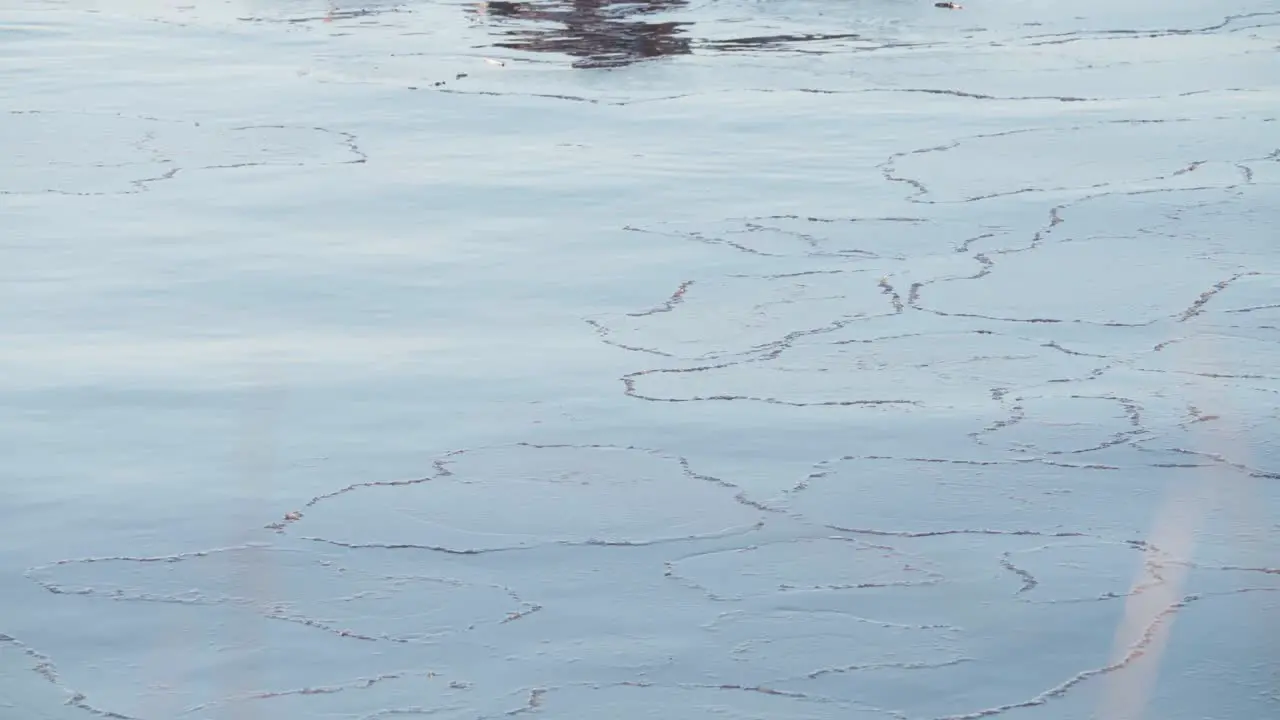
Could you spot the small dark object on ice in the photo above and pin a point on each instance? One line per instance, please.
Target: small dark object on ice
(949, 5)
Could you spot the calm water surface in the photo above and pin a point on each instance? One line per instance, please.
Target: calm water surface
(772, 360)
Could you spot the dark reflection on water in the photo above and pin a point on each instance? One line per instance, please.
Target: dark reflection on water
(596, 33)
(770, 42)
(614, 33)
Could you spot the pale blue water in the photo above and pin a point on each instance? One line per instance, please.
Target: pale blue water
(729, 358)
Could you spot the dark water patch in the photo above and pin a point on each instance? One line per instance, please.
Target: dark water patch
(595, 33)
(795, 41)
(611, 34)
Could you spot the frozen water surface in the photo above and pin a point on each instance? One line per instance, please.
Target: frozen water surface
(751, 359)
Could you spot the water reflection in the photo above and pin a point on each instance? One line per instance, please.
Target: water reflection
(597, 33)
(794, 43)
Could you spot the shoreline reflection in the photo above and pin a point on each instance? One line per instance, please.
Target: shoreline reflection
(596, 33)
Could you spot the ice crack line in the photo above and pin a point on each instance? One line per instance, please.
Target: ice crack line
(1136, 651)
(1130, 33)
